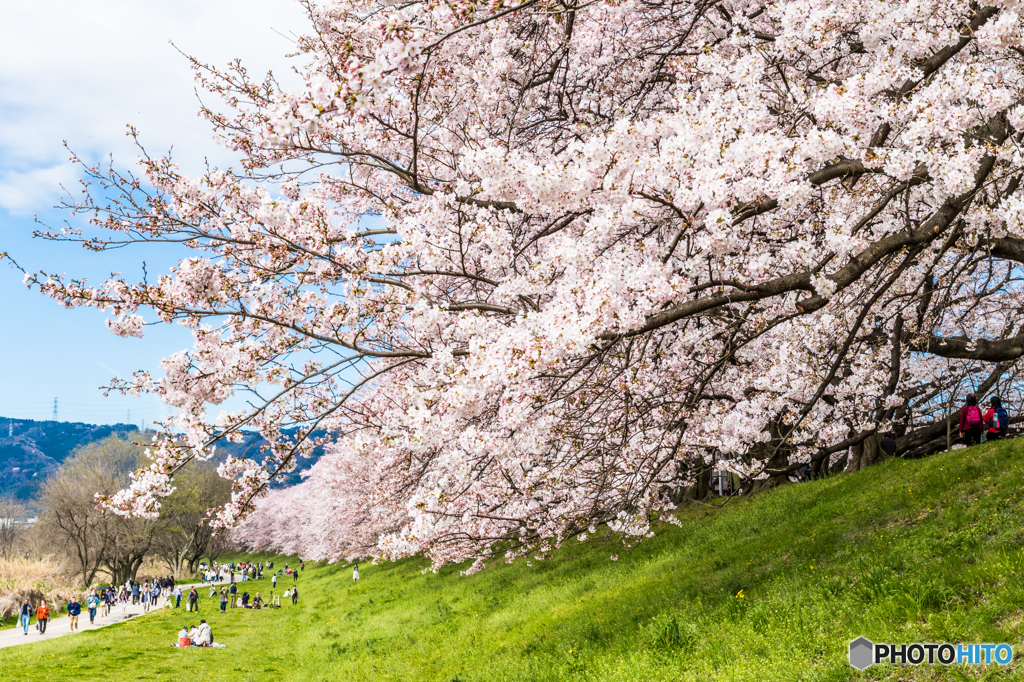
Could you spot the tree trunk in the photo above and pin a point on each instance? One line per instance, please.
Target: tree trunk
(869, 451)
(840, 464)
(778, 462)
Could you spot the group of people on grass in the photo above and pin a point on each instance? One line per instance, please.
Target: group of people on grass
(230, 595)
(216, 572)
(196, 635)
(977, 426)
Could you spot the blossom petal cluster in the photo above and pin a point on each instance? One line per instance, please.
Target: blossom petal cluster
(538, 267)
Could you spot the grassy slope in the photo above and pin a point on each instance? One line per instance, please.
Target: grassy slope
(906, 551)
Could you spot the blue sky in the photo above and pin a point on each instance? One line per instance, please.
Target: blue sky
(80, 72)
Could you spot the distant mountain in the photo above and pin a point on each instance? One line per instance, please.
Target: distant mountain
(32, 450)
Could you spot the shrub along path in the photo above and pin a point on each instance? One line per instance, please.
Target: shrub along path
(768, 588)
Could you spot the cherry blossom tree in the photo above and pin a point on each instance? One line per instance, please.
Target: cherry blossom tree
(539, 265)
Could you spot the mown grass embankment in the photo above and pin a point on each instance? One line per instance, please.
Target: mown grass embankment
(768, 588)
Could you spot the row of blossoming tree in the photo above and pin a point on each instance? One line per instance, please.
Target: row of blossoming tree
(537, 265)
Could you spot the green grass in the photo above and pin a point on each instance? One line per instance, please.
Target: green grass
(768, 588)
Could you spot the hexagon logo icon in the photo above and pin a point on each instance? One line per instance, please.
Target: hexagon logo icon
(862, 653)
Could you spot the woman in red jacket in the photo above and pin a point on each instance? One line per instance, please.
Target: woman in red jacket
(42, 618)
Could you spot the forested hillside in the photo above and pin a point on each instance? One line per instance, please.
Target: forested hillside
(32, 450)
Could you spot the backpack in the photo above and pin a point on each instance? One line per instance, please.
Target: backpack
(973, 419)
(1003, 418)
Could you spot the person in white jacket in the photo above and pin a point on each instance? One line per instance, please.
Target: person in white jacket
(204, 635)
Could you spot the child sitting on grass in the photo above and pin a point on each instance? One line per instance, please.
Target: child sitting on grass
(183, 637)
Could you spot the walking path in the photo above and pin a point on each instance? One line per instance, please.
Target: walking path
(61, 627)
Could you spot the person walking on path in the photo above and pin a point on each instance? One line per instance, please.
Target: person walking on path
(177, 597)
(155, 595)
(355, 573)
(295, 596)
(145, 599)
(92, 603)
(970, 421)
(25, 615)
(223, 599)
(74, 611)
(135, 593)
(42, 618)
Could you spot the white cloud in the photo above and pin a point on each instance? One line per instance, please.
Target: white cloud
(80, 71)
(30, 191)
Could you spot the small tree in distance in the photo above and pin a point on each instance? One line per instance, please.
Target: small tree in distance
(93, 537)
(187, 536)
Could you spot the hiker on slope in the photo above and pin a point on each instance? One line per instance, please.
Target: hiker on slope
(970, 421)
(996, 419)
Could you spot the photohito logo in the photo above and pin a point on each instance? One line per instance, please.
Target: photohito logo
(864, 653)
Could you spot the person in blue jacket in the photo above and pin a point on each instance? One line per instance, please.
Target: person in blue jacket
(25, 615)
(93, 603)
(74, 611)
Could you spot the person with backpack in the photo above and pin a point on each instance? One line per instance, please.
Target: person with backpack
(997, 420)
(971, 421)
(92, 603)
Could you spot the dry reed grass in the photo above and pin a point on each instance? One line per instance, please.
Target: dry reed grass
(35, 580)
(50, 579)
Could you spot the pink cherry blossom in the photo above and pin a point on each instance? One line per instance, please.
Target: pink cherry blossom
(538, 267)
